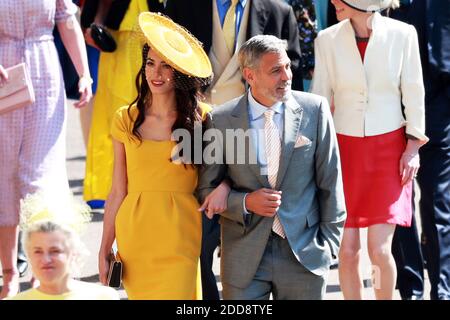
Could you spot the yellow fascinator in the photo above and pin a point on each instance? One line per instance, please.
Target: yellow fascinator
(60, 209)
(175, 45)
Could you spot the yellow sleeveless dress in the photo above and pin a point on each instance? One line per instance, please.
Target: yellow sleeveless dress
(158, 227)
(116, 87)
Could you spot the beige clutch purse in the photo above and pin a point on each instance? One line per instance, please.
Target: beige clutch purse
(18, 91)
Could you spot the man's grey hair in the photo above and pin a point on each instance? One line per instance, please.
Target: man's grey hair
(254, 48)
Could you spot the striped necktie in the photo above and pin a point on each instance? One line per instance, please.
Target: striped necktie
(273, 151)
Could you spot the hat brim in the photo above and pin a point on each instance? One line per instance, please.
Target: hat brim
(175, 45)
(368, 5)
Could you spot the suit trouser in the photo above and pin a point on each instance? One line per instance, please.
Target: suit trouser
(210, 241)
(279, 273)
(408, 259)
(434, 182)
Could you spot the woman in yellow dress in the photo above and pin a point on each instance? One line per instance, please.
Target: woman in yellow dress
(116, 73)
(151, 210)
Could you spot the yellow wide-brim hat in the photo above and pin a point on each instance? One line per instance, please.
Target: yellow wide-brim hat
(175, 45)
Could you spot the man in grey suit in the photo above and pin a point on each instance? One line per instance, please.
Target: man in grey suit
(286, 208)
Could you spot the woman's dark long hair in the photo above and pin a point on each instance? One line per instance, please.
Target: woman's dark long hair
(187, 107)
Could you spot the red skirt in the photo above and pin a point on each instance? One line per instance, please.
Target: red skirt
(372, 182)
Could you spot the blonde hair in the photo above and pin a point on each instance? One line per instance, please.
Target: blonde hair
(41, 213)
(72, 241)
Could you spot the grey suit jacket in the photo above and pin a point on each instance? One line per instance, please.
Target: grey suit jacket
(312, 209)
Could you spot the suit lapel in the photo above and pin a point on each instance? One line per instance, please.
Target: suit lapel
(293, 114)
(231, 63)
(239, 120)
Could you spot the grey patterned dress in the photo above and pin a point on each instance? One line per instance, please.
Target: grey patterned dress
(32, 139)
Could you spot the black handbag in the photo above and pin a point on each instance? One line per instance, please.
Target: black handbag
(103, 38)
(115, 271)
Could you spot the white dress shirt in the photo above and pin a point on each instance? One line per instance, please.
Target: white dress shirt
(256, 123)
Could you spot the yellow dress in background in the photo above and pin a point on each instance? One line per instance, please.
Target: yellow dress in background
(116, 87)
(158, 227)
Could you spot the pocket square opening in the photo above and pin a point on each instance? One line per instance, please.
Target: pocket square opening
(302, 141)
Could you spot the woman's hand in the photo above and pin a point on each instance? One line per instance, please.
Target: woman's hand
(216, 201)
(85, 90)
(3, 76)
(409, 165)
(73, 40)
(103, 266)
(410, 161)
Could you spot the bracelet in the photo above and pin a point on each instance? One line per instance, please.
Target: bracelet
(87, 79)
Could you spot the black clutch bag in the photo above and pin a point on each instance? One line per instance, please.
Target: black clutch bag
(115, 271)
(102, 38)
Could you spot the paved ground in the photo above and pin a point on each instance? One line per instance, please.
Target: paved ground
(92, 236)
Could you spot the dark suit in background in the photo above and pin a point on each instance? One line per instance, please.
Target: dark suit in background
(406, 243)
(434, 173)
(432, 22)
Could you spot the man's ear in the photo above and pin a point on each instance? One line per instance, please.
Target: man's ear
(248, 75)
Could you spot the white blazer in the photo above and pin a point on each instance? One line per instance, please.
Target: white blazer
(367, 95)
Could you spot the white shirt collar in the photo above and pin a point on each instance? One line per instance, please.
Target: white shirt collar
(243, 2)
(257, 110)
